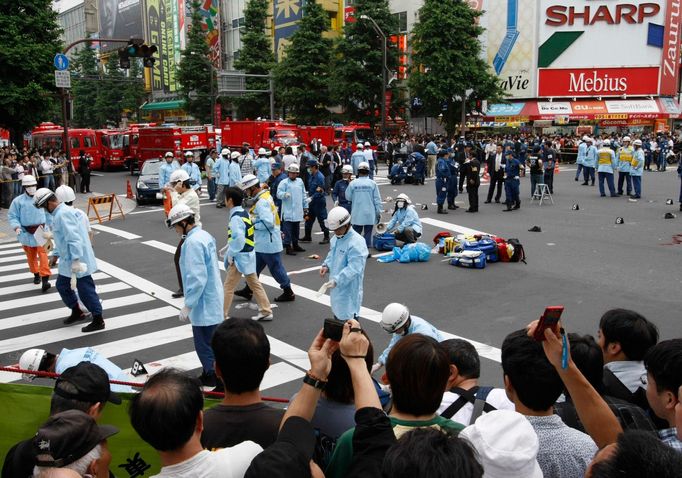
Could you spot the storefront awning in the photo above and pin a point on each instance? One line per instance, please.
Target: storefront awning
(564, 111)
(163, 105)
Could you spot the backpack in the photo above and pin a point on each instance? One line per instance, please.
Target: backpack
(519, 255)
(469, 259)
(476, 396)
(504, 250)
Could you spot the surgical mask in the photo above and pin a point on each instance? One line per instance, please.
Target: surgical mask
(249, 202)
(30, 190)
(400, 204)
(339, 236)
(310, 170)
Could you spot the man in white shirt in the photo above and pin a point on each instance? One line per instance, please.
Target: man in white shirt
(47, 173)
(168, 414)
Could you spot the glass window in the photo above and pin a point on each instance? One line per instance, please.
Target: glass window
(401, 21)
(88, 142)
(75, 143)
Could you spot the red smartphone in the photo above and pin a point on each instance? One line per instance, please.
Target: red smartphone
(548, 320)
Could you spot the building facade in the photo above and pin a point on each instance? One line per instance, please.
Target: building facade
(78, 20)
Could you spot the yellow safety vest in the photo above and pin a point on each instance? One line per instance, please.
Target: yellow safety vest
(626, 155)
(249, 242)
(604, 157)
(268, 197)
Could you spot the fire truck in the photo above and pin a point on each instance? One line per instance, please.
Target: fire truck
(354, 133)
(154, 142)
(112, 148)
(50, 136)
(259, 134)
(325, 134)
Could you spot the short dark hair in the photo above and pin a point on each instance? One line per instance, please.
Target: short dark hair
(639, 453)
(60, 404)
(288, 150)
(664, 362)
(242, 353)
(534, 379)
(165, 412)
(588, 357)
(339, 383)
(464, 356)
(427, 452)
(418, 369)
(631, 330)
(235, 194)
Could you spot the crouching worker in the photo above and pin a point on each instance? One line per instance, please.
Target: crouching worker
(405, 223)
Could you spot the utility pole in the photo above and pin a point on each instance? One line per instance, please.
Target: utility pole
(384, 78)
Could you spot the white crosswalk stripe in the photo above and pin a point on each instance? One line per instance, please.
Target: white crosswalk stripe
(20, 256)
(14, 250)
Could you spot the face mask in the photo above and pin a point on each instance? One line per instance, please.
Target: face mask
(30, 190)
(310, 170)
(340, 235)
(400, 204)
(249, 202)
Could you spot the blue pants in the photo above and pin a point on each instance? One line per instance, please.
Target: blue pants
(367, 233)
(536, 179)
(17, 188)
(577, 172)
(202, 344)
(637, 185)
(588, 173)
(441, 190)
(316, 212)
(86, 292)
(275, 266)
(211, 187)
(609, 182)
(371, 169)
(647, 160)
(512, 191)
(452, 190)
(48, 181)
(661, 160)
(624, 177)
(291, 232)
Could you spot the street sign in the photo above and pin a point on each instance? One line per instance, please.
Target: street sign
(61, 61)
(62, 78)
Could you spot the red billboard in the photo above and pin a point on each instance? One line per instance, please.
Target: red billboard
(670, 60)
(581, 82)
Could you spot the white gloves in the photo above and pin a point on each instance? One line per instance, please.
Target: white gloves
(184, 313)
(287, 195)
(375, 367)
(230, 261)
(325, 287)
(18, 230)
(221, 252)
(77, 267)
(336, 203)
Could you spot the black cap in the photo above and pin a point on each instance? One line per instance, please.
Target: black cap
(91, 381)
(68, 436)
(290, 455)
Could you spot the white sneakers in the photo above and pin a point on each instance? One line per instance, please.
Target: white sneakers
(262, 317)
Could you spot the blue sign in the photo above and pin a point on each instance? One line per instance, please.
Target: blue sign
(505, 109)
(61, 62)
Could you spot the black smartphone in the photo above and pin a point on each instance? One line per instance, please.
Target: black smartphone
(333, 329)
(549, 320)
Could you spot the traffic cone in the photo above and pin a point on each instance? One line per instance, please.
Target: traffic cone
(167, 203)
(129, 190)
(486, 176)
(556, 168)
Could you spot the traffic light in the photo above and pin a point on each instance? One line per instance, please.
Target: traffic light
(148, 55)
(138, 49)
(123, 58)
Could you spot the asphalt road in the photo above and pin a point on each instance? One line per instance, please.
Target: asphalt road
(581, 260)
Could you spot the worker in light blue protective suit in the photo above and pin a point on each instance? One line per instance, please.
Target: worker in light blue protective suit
(396, 320)
(453, 165)
(317, 203)
(262, 166)
(606, 165)
(345, 265)
(405, 223)
(221, 173)
(76, 258)
(357, 158)
(580, 160)
(203, 305)
(240, 258)
(193, 171)
(292, 193)
(267, 236)
(625, 154)
(590, 163)
(166, 169)
(70, 358)
(512, 182)
(339, 191)
(443, 177)
(363, 193)
(636, 169)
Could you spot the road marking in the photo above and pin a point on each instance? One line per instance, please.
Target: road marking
(303, 271)
(117, 232)
(146, 211)
(161, 245)
(16, 258)
(20, 276)
(54, 296)
(29, 287)
(7, 252)
(67, 333)
(63, 312)
(9, 245)
(451, 227)
(14, 267)
(143, 285)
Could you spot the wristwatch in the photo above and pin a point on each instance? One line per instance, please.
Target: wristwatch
(314, 382)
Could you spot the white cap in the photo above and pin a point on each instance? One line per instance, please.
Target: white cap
(607, 142)
(394, 316)
(262, 151)
(41, 197)
(637, 142)
(506, 443)
(65, 194)
(168, 155)
(338, 217)
(626, 139)
(178, 213)
(30, 360)
(363, 166)
(360, 146)
(179, 175)
(293, 168)
(404, 197)
(248, 181)
(586, 138)
(235, 154)
(225, 152)
(347, 169)
(29, 180)
(367, 143)
(188, 154)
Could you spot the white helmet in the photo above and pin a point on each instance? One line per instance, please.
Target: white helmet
(168, 155)
(29, 180)
(262, 151)
(586, 138)
(188, 154)
(178, 213)
(338, 217)
(30, 360)
(293, 168)
(626, 139)
(404, 197)
(394, 316)
(367, 144)
(234, 154)
(361, 146)
(606, 142)
(225, 152)
(42, 196)
(363, 166)
(248, 181)
(347, 169)
(637, 142)
(179, 175)
(65, 194)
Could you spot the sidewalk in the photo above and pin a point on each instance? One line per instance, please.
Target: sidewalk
(8, 235)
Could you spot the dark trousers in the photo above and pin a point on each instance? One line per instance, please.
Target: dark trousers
(408, 236)
(85, 182)
(549, 180)
(452, 190)
(291, 232)
(176, 259)
(511, 192)
(588, 173)
(496, 181)
(211, 187)
(86, 292)
(472, 191)
(637, 185)
(202, 344)
(608, 177)
(274, 263)
(365, 231)
(311, 220)
(577, 172)
(624, 177)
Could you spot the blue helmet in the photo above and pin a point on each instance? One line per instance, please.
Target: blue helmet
(312, 162)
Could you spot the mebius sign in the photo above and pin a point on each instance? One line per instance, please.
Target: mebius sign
(608, 48)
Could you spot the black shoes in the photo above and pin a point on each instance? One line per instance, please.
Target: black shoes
(441, 210)
(179, 293)
(290, 251)
(487, 202)
(36, 278)
(76, 316)
(96, 324)
(46, 284)
(452, 207)
(287, 296)
(244, 293)
(298, 248)
(306, 239)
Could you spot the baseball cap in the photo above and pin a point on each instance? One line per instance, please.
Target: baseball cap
(289, 456)
(506, 444)
(91, 381)
(68, 436)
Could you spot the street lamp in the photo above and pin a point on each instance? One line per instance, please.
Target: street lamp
(383, 72)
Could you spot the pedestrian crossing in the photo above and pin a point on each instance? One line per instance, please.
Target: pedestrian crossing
(141, 324)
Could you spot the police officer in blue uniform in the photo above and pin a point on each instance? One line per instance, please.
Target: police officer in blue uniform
(317, 208)
(443, 176)
(512, 168)
(453, 165)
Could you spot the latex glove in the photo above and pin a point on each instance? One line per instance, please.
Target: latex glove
(287, 195)
(18, 230)
(375, 367)
(325, 287)
(336, 203)
(230, 260)
(221, 252)
(77, 267)
(184, 313)
(48, 235)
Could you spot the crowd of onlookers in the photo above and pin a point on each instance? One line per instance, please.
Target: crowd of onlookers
(572, 405)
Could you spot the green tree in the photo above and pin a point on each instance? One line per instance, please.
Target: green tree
(358, 65)
(195, 72)
(85, 88)
(29, 39)
(133, 92)
(255, 57)
(447, 60)
(110, 97)
(302, 77)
